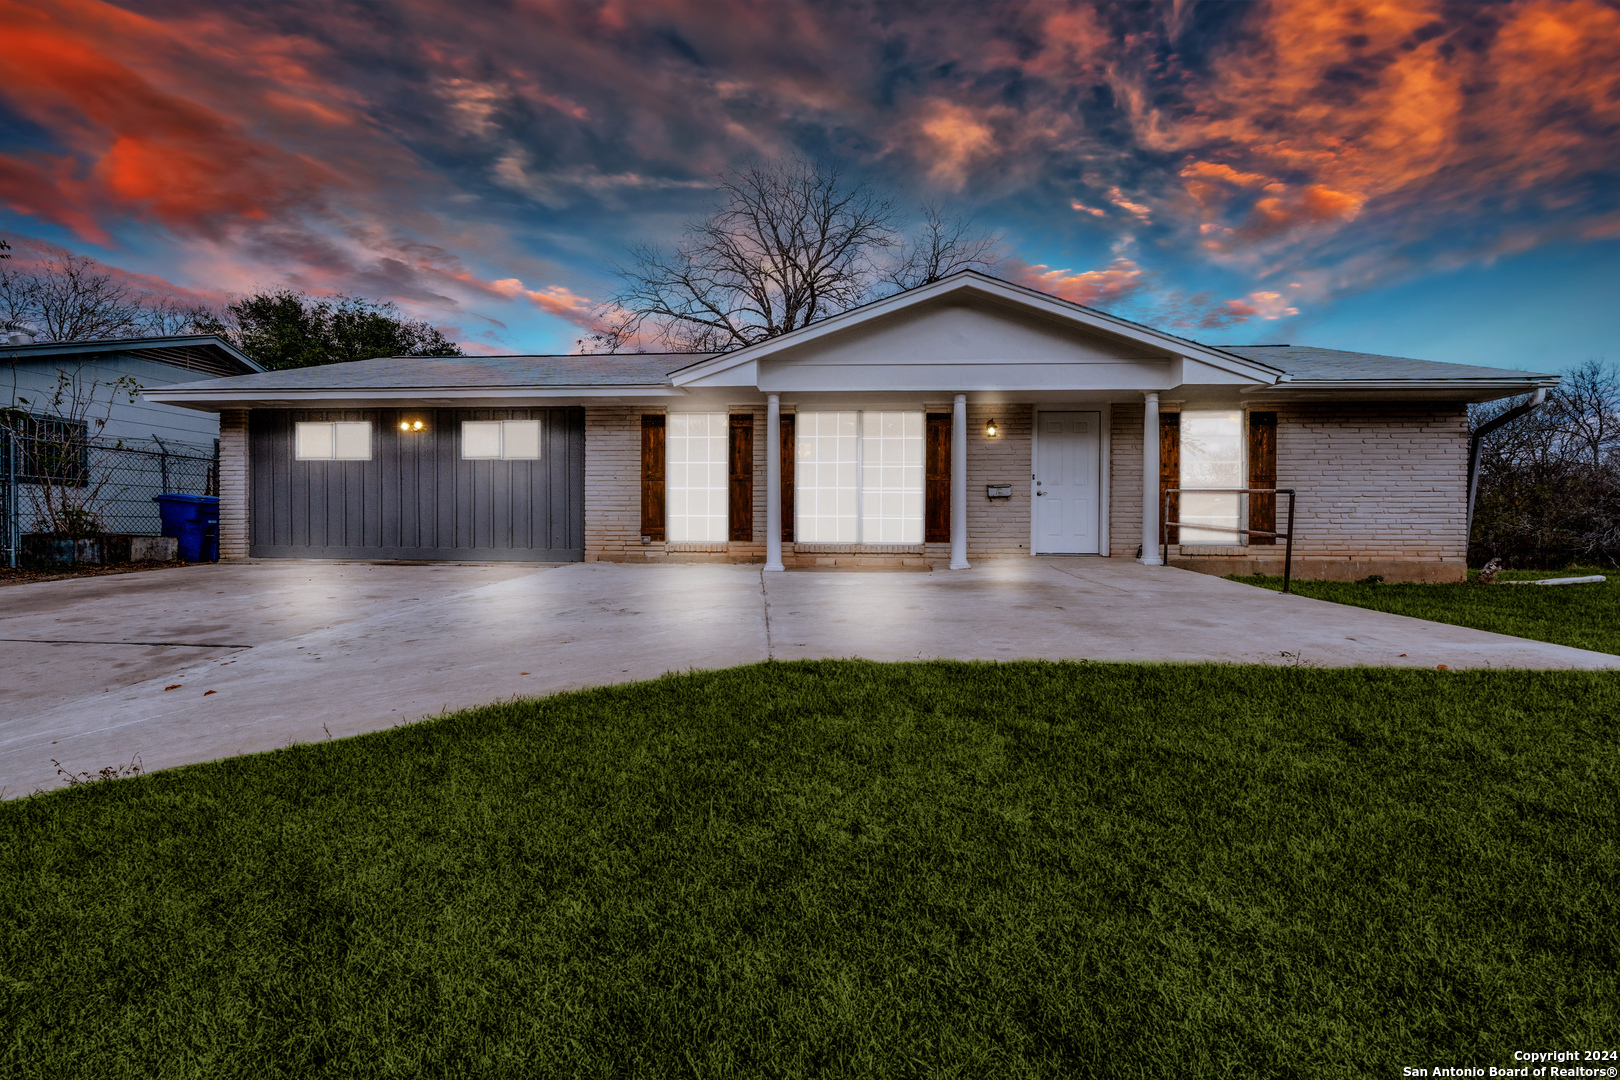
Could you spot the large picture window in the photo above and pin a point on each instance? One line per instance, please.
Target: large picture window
(696, 447)
(339, 441)
(500, 440)
(859, 478)
(1211, 457)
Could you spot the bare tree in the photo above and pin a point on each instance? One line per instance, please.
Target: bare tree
(71, 298)
(942, 246)
(55, 437)
(790, 242)
(1549, 481)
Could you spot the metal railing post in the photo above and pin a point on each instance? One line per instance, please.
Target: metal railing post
(1288, 552)
(1164, 528)
(1272, 493)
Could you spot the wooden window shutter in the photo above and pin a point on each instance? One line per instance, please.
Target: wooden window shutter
(790, 427)
(740, 496)
(1169, 471)
(937, 480)
(652, 476)
(1263, 474)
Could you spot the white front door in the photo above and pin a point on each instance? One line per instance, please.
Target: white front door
(1068, 478)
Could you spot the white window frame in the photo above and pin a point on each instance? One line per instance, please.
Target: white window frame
(697, 463)
(504, 432)
(308, 438)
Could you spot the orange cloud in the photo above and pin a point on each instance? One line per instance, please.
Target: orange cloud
(955, 138)
(556, 300)
(1259, 304)
(1118, 282)
(149, 151)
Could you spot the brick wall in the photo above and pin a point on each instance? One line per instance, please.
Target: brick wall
(233, 484)
(1376, 482)
(1125, 482)
(1000, 526)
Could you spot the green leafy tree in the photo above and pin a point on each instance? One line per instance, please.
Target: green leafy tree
(287, 329)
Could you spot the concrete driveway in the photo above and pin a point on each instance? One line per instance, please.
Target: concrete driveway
(204, 662)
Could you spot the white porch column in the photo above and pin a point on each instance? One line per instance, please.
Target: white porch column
(1150, 480)
(959, 438)
(773, 482)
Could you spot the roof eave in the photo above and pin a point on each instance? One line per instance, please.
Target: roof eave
(212, 400)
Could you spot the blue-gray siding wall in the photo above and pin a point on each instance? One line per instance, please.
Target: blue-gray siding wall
(417, 498)
(132, 421)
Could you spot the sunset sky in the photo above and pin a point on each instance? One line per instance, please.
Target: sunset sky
(1427, 179)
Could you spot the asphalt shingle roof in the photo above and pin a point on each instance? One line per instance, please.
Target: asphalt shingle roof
(1307, 363)
(475, 372)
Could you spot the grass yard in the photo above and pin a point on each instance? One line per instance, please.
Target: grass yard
(1584, 616)
(849, 869)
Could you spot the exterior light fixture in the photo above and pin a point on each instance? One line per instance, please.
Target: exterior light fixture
(990, 429)
(410, 425)
(417, 426)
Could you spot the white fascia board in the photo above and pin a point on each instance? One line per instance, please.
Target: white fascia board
(1476, 390)
(967, 281)
(216, 399)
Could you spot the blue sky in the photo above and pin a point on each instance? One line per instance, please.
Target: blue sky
(1424, 178)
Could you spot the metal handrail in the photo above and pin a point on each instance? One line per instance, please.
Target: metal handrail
(1165, 523)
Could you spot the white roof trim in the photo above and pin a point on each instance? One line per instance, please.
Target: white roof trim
(410, 393)
(972, 281)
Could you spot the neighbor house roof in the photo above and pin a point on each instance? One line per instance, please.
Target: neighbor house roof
(207, 354)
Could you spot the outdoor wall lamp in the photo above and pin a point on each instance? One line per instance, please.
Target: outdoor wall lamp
(990, 429)
(408, 425)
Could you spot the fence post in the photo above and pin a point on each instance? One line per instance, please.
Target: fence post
(13, 532)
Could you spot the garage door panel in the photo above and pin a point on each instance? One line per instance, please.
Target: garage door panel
(416, 498)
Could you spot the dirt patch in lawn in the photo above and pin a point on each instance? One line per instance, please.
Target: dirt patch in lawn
(23, 575)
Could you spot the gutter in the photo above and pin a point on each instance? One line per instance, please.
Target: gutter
(1508, 417)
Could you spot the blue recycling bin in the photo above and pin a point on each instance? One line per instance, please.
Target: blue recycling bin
(193, 520)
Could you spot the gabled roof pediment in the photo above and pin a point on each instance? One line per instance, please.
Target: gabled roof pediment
(961, 331)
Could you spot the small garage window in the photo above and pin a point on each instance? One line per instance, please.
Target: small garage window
(500, 440)
(329, 441)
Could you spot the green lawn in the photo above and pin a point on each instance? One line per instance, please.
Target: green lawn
(1585, 616)
(849, 869)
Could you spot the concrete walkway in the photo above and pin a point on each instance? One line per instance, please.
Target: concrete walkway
(205, 662)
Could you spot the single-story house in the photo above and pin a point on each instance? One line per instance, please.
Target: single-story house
(966, 419)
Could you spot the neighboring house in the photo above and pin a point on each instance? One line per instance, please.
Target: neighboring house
(139, 445)
(966, 419)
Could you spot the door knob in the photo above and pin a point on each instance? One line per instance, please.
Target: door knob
(1040, 493)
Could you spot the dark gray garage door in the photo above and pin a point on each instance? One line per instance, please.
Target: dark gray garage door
(416, 498)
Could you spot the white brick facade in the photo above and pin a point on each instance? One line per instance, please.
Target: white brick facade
(233, 484)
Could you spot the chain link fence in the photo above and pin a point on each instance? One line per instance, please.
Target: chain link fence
(117, 482)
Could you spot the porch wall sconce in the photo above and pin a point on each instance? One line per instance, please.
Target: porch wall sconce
(410, 425)
(990, 429)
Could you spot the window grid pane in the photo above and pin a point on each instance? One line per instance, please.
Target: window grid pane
(825, 478)
(520, 440)
(1211, 457)
(313, 441)
(892, 477)
(352, 441)
(695, 448)
(480, 440)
